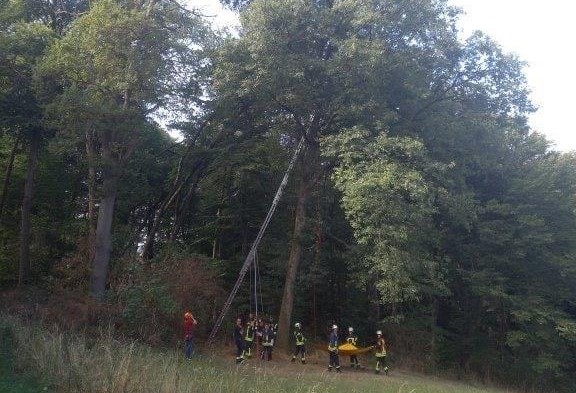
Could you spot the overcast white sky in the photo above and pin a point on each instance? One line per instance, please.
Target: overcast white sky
(541, 33)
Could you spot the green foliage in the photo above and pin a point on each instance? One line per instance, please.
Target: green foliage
(148, 306)
(387, 195)
(22, 42)
(434, 211)
(155, 297)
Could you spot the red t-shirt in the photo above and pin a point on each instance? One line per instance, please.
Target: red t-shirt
(188, 328)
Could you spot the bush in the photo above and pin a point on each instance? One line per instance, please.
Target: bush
(156, 296)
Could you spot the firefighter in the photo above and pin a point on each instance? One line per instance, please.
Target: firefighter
(299, 340)
(239, 340)
(380, 348)
(249, 335)
(333, 349)
(267, 341)
(353, 340)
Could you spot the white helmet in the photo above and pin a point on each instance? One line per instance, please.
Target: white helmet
(379, 333)
(334, 327)
(350, 329)
(297, 325)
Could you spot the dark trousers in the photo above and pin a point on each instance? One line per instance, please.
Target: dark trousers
(266, 352)
(334, 360)
(239, 349)
(354, 361)
(248, 348)
(381, 362)
(189, 345)
(300, 349)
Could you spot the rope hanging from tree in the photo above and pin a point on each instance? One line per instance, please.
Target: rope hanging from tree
(252, 254)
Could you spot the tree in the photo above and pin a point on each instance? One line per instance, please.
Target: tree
(24, 41)
(116, 66)
(305, 75)
(388, 192)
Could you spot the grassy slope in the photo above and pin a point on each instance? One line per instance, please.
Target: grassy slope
(11, 380)
(101, 364)
(281, 376)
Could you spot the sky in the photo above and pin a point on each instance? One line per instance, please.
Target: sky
(540, 33)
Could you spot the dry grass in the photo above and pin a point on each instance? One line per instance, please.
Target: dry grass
(75, 363)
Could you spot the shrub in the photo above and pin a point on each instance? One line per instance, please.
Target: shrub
(156, 296)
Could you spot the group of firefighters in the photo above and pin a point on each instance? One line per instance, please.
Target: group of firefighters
(263, 332)
(245, 335)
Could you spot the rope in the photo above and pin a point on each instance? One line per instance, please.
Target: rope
(259, 282)
(255, 288)
(250, 298)
(252, 254)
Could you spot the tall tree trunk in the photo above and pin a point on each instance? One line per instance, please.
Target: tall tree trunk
(184, 205)
(24, 271)
(215, 242)
(8, 177)
(103, 239)
(179, 184)
(173, 198)
(148, 248)
(285, 316)
(310, 171)
(317, 255)
(91, 154)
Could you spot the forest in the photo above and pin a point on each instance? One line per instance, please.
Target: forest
(141, 150)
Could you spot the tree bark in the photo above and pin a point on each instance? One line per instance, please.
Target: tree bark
(24, 271)
(91, 154)
(285, 316)
(317, 255)
(8, 177)
(103, 238)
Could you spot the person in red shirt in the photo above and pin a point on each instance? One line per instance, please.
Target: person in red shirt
(189, 324)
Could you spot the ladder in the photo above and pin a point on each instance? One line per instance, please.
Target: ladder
(250, 258)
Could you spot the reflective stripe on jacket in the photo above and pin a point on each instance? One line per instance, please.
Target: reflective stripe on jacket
(249, 333)
(380, 348)
(299, 337)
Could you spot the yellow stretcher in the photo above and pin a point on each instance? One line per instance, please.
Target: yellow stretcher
(347, 349)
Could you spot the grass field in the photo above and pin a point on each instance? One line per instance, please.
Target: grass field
(12, 379)
(102, 364)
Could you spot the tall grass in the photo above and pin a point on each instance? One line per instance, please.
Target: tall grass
(75, 363)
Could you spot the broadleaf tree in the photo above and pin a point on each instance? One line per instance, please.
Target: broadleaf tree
(116, 65)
